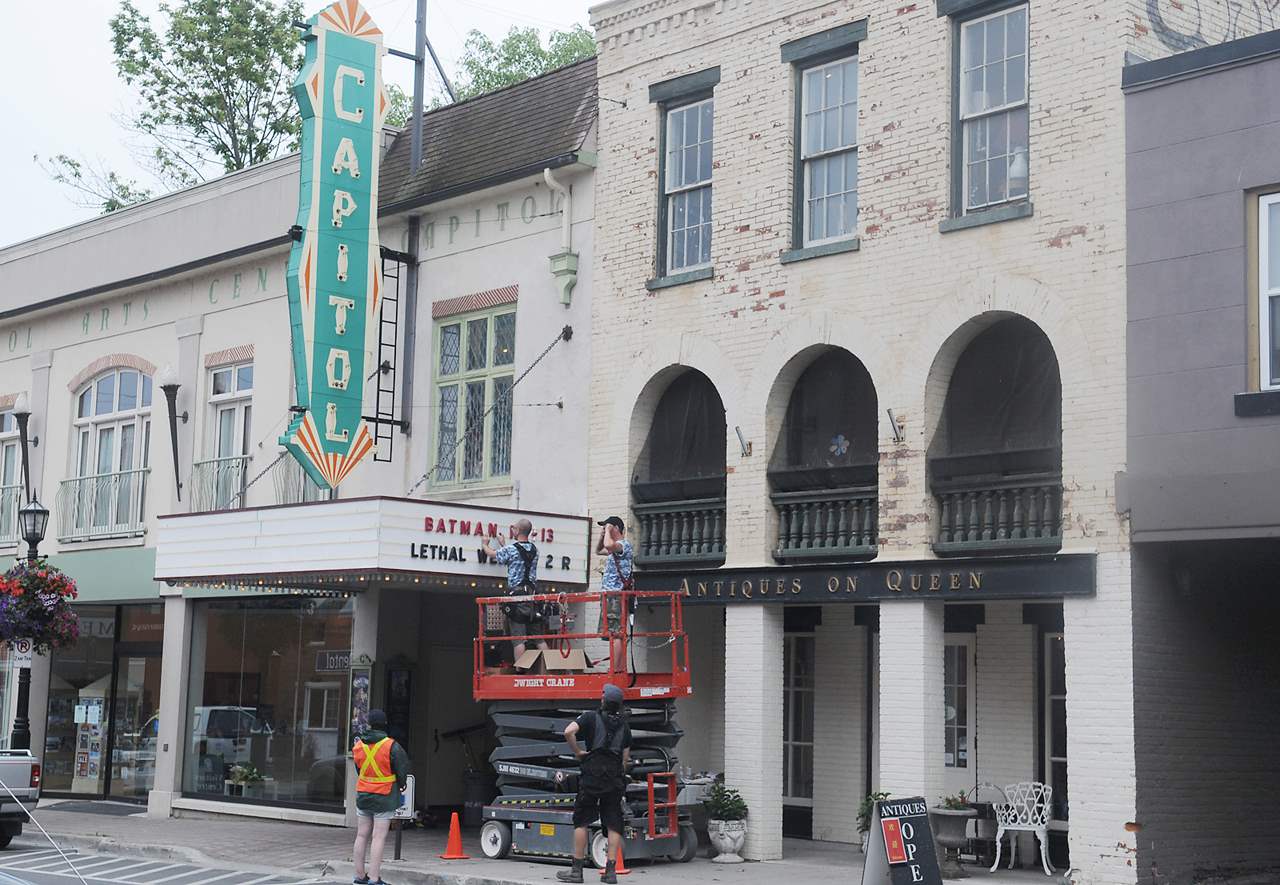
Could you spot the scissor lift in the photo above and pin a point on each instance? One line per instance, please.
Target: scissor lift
(538, 774)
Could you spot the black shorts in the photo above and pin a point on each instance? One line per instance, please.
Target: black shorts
(608, 806)
(533, 628)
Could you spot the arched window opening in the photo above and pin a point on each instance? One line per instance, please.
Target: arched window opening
(111, 443)
(678, 488)
(823, 472)
(995, 465)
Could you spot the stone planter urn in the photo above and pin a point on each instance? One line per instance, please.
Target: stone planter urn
(728, 837)
(949, 831)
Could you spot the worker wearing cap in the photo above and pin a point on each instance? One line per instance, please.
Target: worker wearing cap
(618, 567)
(383, 767)
(602, 784)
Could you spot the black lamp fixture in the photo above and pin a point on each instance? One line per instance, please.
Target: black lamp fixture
(33, 519)
(22, 414)
(167, 379)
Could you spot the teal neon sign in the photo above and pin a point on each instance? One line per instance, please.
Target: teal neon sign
(334, 277)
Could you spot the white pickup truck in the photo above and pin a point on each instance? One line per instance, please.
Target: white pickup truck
(20, 772)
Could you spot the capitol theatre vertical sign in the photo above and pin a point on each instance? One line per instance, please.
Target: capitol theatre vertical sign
(334, 274)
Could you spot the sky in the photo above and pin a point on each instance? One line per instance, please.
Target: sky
(76, 98)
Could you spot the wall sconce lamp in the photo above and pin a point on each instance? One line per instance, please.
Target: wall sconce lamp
(898, 426)
(742, 441)
(22, 414)
(167, 379)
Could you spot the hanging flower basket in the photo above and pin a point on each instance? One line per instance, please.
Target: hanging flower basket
(35, 604)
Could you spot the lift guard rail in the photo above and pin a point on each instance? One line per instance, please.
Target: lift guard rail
(618, 636)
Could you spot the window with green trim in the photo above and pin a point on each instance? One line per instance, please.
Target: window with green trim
(829, 149)
(475, 357)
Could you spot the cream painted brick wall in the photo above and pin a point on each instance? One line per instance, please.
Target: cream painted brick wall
(752, 726)
(1006, 696)
(1159, 28)
(839, 725)
(1098, 634)
(896, 303)
(911, 733)
(702, 715)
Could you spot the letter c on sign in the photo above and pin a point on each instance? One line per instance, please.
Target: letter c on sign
(339, 78)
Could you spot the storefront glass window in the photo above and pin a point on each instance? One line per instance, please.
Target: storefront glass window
(797, 702)
(75, 744)
(267, 720)
(1056, 730)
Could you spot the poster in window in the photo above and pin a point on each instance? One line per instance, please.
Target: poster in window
(359, 721)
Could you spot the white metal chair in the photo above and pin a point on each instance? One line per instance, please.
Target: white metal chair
(1026, 810)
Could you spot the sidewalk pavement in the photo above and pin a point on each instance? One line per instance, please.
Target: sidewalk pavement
(312, 850)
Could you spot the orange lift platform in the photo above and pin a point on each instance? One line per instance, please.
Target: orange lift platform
(537, 773)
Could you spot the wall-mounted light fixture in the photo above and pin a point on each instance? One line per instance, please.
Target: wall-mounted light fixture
(22, 414)
(742, 441)
(167, 379)
(898, 426)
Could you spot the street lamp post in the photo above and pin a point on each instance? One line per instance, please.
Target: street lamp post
(33, 519)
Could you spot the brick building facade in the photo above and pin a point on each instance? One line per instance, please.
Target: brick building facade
(987, 170)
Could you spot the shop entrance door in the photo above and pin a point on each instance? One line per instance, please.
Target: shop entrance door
(135, 723)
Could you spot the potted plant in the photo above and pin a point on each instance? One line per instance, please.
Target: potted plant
(244, 775)
(865, 810)
(950, 821)
(726, 823)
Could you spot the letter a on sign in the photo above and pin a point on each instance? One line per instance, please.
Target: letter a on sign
(334, 268)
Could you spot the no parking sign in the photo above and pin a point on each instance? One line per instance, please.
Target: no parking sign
(20, 652)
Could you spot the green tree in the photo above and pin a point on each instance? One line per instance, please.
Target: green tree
(486, 65)
(214, 93)
(399, 106)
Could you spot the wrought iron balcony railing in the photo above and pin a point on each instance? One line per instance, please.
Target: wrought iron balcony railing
(983, 514)
(826, 524)
(684, 532)
(219, 483)
(293, 486)
(108, 505)
(10, 501)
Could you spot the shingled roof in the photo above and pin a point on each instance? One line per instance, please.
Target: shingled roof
(500, 136)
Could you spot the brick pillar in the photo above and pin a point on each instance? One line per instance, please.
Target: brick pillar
(753, 721)
(1101, 777)
(910, 735)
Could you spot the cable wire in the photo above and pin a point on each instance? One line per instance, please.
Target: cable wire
(31, 817)
(478, 423)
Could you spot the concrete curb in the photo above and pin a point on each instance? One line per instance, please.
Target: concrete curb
(183, 854)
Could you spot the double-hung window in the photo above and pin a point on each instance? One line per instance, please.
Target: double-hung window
(222, 476)
(993, 105)
(10, 479)
(687, 185)
(474, 370)
(829, 149)
(1269, 291)
(112, 441)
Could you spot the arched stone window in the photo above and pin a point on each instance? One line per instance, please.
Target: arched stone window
(678, 488)
(995, 464)
(823, 471)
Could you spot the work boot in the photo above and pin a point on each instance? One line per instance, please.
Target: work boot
(610, 876)
(573, 874)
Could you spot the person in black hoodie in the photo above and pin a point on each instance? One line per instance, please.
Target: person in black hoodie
(383, 766)
(602, 783)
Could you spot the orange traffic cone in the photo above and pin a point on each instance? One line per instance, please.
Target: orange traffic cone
(620, 867)
(453, 851)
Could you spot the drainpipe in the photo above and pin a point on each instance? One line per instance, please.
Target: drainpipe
(564, 264)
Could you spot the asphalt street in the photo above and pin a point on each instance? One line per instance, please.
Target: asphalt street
(47, 867)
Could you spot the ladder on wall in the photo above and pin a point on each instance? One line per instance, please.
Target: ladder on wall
(384, 416)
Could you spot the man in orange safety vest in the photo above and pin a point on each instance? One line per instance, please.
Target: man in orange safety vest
(383, 766)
